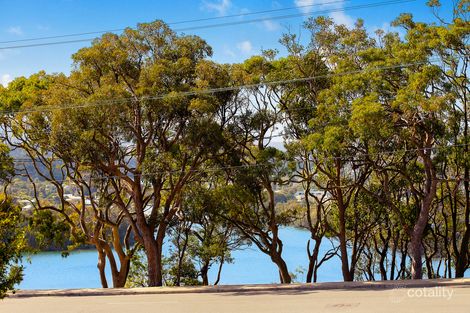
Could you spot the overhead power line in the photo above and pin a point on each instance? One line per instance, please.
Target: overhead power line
(179, 22)
(65, 106)
(364, 6)
(345, 157)
(219, 168)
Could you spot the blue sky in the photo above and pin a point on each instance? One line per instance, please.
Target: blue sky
(31, 18)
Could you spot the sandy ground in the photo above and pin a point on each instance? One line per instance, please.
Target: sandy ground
(399, 298)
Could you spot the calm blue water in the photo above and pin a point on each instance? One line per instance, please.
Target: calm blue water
(254, 267)
(49, 270)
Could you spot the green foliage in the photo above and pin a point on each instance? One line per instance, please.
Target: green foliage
(369, 119)
(138, 270)
(375, 131)
(6, 163)
(48, 230)
(12, 244)
(24, 92)
(185, 271)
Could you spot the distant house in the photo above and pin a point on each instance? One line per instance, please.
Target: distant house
(71, 197)
(26, 204)
(299, 195)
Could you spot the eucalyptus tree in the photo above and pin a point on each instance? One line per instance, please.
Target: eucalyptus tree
(82, 203)
(150, 141)
(328, 137)
(399, 115)
(448, 41)
(12, 245)
(92, 219)
(212, 238)
(12, 235)
(298, 102)
(383, 94)
(418, 112)
(156, 132)
(256, 167)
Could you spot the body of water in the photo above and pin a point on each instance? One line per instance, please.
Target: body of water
(49, 270)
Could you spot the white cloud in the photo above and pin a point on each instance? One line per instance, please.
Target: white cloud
(304, 5)
(386, 27)
(5, 79)
(229, 52)
(307, 6)
(342, 18)
(244, 11)
(4, 54)
(276, 5)
(339, 17)
(221, 7)
(15, 30)
(270, 25)
(42, 27)
(245, 46)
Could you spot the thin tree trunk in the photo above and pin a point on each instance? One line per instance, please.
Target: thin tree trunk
(102, 267)
(394, 256)
(416, 249)
(312, 261)
(123, 273)
(343, 244)
(462, 263)
(416, 253)
(219, 272)
(342, 226)
(204, 274)
(152, 262)
(284, 275)
(159, 250)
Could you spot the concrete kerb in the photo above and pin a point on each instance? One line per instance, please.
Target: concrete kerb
(244, 288)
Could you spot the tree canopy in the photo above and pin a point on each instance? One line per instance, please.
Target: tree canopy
(149, 142)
